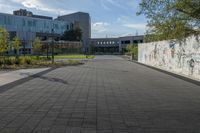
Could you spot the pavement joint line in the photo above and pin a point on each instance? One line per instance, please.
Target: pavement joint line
(196, 82)
(23, 80)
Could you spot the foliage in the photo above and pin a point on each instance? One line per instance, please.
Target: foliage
(26, 60)
(4, 40)
(33, 62)
(73, 62)
(16, 43)
(133, 50)
(171, 19)
(74, 57)
(37, 46)
(72, 35)
(9, 61)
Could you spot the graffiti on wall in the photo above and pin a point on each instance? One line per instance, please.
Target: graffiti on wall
(180, 57)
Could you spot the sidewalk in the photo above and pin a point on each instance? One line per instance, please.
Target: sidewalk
(11, 76)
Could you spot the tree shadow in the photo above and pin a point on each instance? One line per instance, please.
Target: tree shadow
(46, 78)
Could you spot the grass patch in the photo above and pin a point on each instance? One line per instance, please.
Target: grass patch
(33, 62)
(74, 57)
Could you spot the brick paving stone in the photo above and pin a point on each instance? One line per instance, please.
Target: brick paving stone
(101, 96)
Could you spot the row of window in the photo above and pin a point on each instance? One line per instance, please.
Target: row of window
(107, 42)
(122, 42)
(31, 24)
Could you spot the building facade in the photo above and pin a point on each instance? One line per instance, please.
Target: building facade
(114, 45)
(79, 20)
(28, 28)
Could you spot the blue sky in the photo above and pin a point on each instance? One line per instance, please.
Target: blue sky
(110, 18)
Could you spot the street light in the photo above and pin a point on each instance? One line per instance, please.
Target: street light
(52, 45)
(24, 47)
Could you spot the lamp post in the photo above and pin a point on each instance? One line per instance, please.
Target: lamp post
(47, 49)
(52, 46)
(24, 47)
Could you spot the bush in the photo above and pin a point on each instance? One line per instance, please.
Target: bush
(1, 62)
(73, 62)
(26, 60)
(17, 61)
(9, 61)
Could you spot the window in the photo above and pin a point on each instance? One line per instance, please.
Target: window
(24, 22)
(67, 27)
(29, 23)
(1, 20)
(34, 23)
(7, 20)
(126, 42)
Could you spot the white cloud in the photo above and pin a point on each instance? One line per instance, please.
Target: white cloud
(108, 4)
(100, 26)
(39, 5)
(136, 26)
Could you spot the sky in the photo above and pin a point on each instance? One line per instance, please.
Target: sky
(110, 18)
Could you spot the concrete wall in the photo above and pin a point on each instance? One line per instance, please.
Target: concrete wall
(182, 58)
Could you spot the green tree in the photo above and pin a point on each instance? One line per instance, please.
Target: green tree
(37, 46)
(171, 19)
(132, 50)
(4, 41)
(72, 35)
(16, 43)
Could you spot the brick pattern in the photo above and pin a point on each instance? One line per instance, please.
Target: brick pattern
(102, 96)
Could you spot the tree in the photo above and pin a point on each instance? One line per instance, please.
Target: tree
(72, 35)
(37, 46)
(133, 50)
(4, 41)
(171, 19)
(16, 43)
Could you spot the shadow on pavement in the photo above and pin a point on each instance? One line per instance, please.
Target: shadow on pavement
(46, 78)
(23, 80)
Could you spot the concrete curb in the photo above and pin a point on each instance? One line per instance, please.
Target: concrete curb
(170, 73)
(23, 80)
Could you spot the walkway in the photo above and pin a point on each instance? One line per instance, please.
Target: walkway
(103, 96)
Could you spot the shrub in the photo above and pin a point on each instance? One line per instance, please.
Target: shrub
(1, 62)
(17, 61)
(9, 61)
(73, 62)
(26, 60)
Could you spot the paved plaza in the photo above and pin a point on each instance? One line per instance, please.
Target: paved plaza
(105, 95)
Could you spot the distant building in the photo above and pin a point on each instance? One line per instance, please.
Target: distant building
(27, 26)
(79, 20)
(24, 12)
(105, 45)
(125, 40)
(114, 45)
